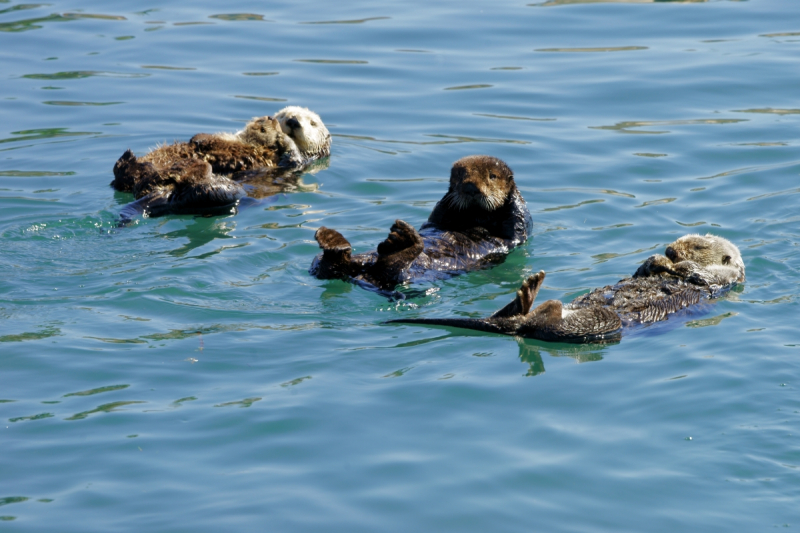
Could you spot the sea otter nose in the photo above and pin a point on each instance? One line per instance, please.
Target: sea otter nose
(671, 254)
(470, 188)
(293, 123)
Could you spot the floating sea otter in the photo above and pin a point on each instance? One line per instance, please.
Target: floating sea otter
(695, 268)
(210, 173)
(478, 222)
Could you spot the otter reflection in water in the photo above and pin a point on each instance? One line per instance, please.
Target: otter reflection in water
(695, 268)
(478, 222)
(211, 173)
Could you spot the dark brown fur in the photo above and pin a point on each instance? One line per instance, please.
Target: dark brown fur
(698, 268)
(477, 223)
(264, 154)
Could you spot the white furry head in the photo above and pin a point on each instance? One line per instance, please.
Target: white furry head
(707, 251)
(306, 130)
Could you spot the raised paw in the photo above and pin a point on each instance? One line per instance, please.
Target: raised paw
(402, 236)
(523, 301)
(528, 291)
(331, 240)
(334, 262)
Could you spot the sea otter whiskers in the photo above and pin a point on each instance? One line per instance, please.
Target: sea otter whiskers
(306, 129)
(479, 221)
(696, 268)
(283, 144)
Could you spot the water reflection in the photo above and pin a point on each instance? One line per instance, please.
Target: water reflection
(530, 351)
(783, 34)
(570, 2)
(467, 87)
(448, 139)
(333, 61)
(36, 23)
(706, 322)
(770, 110)
(511, 117)
(31, 335)
(660, 201)
(78, 104)
(21, 7)
(356, 21)
(594, 49)
(98, 390)
(81, 74)
(247, 402)
(201, 232)
(259, 98)
(105, 408)
(240, 17)
(626, 126)
(45, 133)
(39, 416)
(166, 67)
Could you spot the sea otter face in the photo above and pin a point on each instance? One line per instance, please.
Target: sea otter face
(705, 250)
(306, 129)
(479, 181)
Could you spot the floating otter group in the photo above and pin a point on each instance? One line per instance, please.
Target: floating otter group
(479, 221)
(208, 175)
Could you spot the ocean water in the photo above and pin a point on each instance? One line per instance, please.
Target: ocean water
(187, 374)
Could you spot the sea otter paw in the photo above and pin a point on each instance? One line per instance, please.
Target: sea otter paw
(331, 240)
(686, 269)
(655, 264)
(523, 301)
(528, 291)
(335, 260)
(402, 237)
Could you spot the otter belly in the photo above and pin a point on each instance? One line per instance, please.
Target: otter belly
(447, 253)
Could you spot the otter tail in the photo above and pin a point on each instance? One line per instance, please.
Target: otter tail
(464, 323)
(596, 325)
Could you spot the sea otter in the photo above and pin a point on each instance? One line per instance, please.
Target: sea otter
(479, 221)
(695, 268)
(205, 175)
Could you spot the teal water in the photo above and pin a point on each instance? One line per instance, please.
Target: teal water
(187, 374)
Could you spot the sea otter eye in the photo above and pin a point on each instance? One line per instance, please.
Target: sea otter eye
(726, 260)
(492, 175)
(313, 123)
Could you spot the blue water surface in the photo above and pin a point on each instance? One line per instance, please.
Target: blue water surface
(187, 374)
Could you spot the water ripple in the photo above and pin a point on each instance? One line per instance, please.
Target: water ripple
(625, 127)
(595, 49)
(354, 21)
(80, 74)
(240, 17)
(36, 23)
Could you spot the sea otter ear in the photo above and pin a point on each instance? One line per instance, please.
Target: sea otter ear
(726, 260)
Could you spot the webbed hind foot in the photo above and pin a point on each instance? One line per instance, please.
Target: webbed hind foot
(523, 301)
